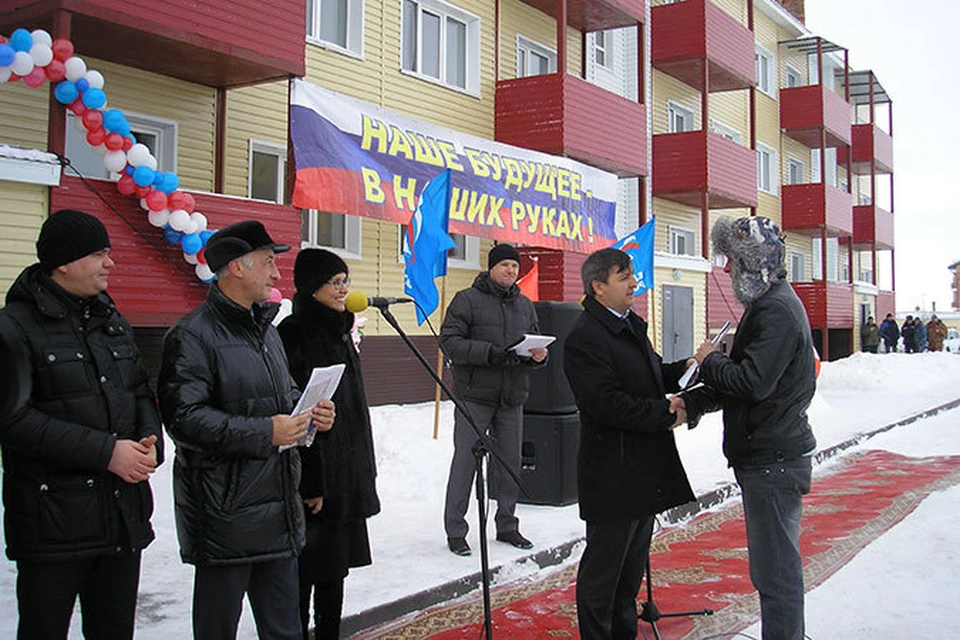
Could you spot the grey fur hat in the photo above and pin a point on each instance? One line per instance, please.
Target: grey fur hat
(756, 249)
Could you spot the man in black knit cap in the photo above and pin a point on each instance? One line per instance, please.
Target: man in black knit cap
(80, 434)
(481, 324)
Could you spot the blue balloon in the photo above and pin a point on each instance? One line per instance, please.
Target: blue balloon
(171, 235)
(113, 119)
(143, 176)
(191, 243)
(6, 55)
(83, 84)
(21, 40)
(129, 169)
(65, 92)
(169, 183)
(94, 98)
(205, 235)
(158, 178)
(123, 129)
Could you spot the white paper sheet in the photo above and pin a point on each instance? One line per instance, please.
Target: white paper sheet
(321, 386)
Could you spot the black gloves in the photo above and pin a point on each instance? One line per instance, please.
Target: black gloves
(503, 357)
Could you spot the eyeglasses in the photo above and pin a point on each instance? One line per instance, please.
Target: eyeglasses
(339, 283)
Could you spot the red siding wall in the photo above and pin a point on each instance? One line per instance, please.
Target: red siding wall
(722, 305)
(872, 224)
(807, 207)
(872, 142)
(803, 110)
(828, 304)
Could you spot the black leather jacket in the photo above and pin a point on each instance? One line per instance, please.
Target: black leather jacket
(86, 389)
(224, 375)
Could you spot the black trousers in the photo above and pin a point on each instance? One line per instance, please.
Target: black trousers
(609, 577)
(271, 587)
(106, 585)
(327, 607)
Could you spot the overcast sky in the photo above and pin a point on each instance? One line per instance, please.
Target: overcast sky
(911, 47)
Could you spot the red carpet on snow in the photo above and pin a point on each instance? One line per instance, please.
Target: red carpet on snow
(703, 563)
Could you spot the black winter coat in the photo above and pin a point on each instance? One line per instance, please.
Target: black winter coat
(766, 384)
(628, 465)
(224, 376)
(340, 464)
(482, 320)
(86, 388)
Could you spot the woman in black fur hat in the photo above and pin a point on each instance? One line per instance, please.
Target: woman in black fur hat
(338, 485)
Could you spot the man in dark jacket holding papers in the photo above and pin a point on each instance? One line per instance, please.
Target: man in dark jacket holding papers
(490, 378)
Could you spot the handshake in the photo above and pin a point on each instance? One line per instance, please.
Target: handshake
(678, 407)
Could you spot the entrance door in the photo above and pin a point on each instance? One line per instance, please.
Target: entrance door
(677, 323)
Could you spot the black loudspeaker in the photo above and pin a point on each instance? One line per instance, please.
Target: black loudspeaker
(548, 463)
(549, 390)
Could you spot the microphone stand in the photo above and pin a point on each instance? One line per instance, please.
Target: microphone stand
(480, 449)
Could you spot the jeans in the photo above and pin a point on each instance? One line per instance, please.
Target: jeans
(772, 504)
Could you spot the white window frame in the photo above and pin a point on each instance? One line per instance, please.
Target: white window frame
(445, 12)
(689, 238)
(526, 47)
(354, 28)
(724, 131)
(601, 43)
(279, 152)
(792, 76)
(767, 176)
(676, 110)
(351, 235)
(165, 130)
(795, 165)
(797, 263)
(766, 73)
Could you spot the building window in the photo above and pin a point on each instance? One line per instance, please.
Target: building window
(766, 65)
(724, 131)
(679, 119)
(441, 43)
(267, 163)
(331, 231)
(681, 242)
(602, 49)
(797, 271)
(336, 23)
(157, 134)
(534, 59)
(766, 169)
(794, 171)
(794, 77)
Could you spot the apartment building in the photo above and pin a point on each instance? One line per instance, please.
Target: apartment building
(697, 109)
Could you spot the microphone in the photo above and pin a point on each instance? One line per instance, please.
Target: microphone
(358, 301)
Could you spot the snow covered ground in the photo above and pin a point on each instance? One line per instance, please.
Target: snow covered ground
(903, 585)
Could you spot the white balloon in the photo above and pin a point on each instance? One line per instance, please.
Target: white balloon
(143, 204)
(159, 218)
(191, 258)
(22, 63)
(138, 154)
(152, 162)
(5, 73)
(200, 220)
(75, 68)
(100, 150)
(95, 78)
(190, 228)
(41, 36)
(179, 219)
(115, 161)
(42, 54)
(203, 272)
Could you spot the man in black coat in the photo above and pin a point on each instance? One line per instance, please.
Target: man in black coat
(764, 388)
(80, 434)
(628, 466)
(226, 395)
(890, 333)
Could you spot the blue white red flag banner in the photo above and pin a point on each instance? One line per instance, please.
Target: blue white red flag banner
(425, 246)
(357, 159)
(639, 246)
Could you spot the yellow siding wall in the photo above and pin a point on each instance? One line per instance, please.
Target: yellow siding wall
(669, 89)
(517, 18)
(671, 214)
(23, 208)
(23, 112)
(253, 113)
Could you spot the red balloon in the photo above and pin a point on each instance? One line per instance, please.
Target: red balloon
(35, 78)
(113, 141)
(78, 107)
(188, 203)
(62, 49)
(13, 77)
(156, 200)
(142, 192)
(96, 136)
(202, 259)
(126, 185)
(93, 119)
(177, 200)
(127, 143)
(55, 71)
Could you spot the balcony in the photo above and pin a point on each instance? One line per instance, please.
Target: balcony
(594, 15)
(871, 143)
(690, 164)
(565, 115)
(687, 35)
(872, 226)
(806, 111)
(808, 208)
(152, 284)
(223, 44)
(829, 305)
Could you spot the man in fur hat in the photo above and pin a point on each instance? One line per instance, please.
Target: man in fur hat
(764, 388)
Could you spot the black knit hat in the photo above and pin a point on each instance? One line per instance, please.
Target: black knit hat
(502, 252)
(314, 267)
(69, 235)
(238, 240)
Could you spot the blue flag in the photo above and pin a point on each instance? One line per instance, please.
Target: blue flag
(639, 246)
(425, 245)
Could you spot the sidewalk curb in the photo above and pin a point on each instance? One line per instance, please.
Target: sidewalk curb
(416, 602)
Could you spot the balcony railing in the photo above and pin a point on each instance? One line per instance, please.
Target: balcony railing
(595, 15)
(872, 225)
(685, 34)
(805, 111)
(829, 305)
(690, 164)
(808, 208)
(870, 142)
(564, 115)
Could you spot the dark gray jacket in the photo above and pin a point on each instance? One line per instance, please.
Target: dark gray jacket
(224, 376)
(481, 321)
